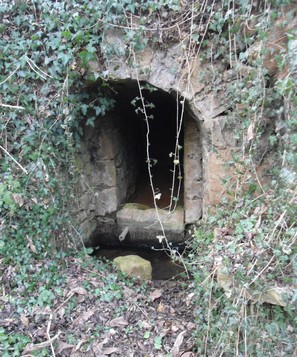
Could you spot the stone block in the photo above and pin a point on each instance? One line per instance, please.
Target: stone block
(193, 210)
(215, 171)
(193, 190)
(192, 172)
(144, 225)
(224, 278)
(87, 228)
(134, 217)
(105, 201)
(210, 106)
(219, 135)
(134, 266)
(275, 295)
(217, 138)
(103, 173)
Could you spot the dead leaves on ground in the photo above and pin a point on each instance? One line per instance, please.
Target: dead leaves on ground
(80, 323)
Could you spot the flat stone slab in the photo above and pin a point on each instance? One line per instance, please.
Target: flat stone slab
(137, 216)
(143, 222)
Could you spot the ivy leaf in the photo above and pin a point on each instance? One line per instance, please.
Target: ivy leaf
(158, 342)
(86, 57)
(64, 57)
(66, 34)
(84, 108)
(146, 335)
(195, 37)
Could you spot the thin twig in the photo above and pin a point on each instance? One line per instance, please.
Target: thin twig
(64, 302)
(33, 69)
(262, 271)
(48, 334)
(39, 346)
(7, 153)
(11, 74)
(34, 65)
(11, 106)
(257, 177)
(208, 315)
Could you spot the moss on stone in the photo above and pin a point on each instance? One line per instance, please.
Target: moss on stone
(135, 206)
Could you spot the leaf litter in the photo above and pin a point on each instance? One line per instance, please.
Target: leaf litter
(96, 312)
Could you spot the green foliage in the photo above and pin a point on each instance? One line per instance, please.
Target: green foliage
(255, 227)
(46, 47)
(45, 98)
(12, 344)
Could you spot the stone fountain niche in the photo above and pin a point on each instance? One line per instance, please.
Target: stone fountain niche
(115, 191)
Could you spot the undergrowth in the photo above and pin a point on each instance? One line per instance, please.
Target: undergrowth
(46, 47)
(246, 248)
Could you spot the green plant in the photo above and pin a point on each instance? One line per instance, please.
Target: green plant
(254, 240)
(47, 96)
(12, 344)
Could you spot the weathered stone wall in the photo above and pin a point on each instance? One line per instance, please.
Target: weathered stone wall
(165, 70)
(108, 173)
(193, 179)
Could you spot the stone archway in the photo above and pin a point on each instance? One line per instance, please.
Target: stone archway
(115, 187)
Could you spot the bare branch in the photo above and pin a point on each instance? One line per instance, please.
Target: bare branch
(19, 165)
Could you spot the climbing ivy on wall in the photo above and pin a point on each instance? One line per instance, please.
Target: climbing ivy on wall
(249, 243)
(46, 48)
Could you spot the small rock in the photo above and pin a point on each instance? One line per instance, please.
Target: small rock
(224, 279)
(276, 296)
(133, 265)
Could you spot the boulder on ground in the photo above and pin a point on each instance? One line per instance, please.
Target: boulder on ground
(133, 265)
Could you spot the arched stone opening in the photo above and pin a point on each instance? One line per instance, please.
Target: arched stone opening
(117, 191)
(152, 138)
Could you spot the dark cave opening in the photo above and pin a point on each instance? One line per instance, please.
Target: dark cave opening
(161, 118)
(117, 194)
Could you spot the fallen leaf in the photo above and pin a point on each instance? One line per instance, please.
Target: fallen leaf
(110, 350)
(118, 322)
(35, 347)
(83, 317)
(25, 320)
(7, 322)
(61, 312)
(128, 292)
(80, 343)
(96, 348)
(174, 328)
(31, 244)
(172, 310)
(191, 326)
(146, 325)
(178, 342)
(95, 283)
(79, 290)
(141, 346)
(63, 346)
(156, 294)
(250, 132)
(161, 307)
(167, 324)
(189, 298)
(18, 199)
